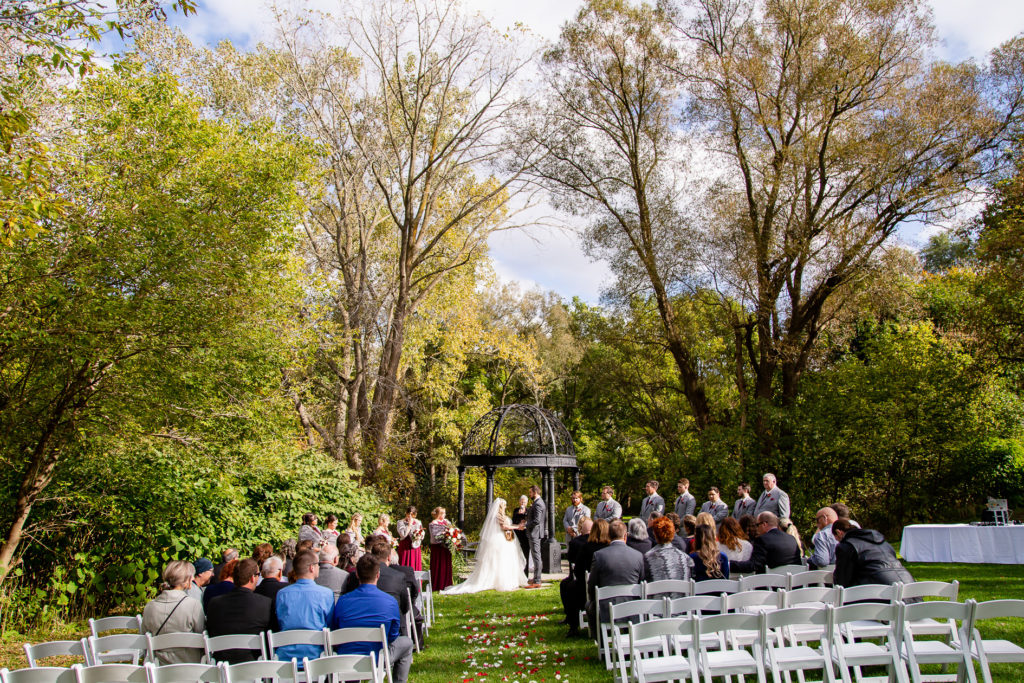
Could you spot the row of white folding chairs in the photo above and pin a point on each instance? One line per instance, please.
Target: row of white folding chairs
(140, 648)
(333, 668)
(742, 643)
(645, 601)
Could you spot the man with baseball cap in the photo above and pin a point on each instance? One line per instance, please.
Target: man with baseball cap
(204, 571)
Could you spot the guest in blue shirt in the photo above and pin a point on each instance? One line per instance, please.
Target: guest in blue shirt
(370, 607)
(709, 562)
(303, 605)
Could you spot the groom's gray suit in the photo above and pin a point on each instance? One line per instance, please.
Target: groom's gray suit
(535, 521)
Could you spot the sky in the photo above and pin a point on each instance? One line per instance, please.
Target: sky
(553, 259)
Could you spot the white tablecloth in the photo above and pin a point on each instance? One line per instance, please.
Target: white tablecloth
(963, 543)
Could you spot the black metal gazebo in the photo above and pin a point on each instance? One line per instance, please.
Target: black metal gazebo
(523, 437)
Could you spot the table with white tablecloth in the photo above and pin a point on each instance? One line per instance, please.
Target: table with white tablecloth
(963, 543)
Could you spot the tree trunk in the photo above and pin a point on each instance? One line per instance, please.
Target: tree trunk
(375, 438)
(37, 476)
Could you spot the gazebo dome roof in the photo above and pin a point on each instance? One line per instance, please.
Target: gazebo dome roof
(519, 435)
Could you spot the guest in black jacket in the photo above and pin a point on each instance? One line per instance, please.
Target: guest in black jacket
(772, 547)
(240, 611)
(638, 537)
(616, 565)
(863, 557)
(573, 588)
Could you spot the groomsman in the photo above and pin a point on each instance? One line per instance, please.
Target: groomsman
(744, 504)
(773, 500)
(608, 509)
(685, 503)
(573, 514)
(652, 502)
(715, 507)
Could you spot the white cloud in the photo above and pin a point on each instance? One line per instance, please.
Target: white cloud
(971, 29)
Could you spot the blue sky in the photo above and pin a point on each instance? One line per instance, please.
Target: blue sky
(553, 259)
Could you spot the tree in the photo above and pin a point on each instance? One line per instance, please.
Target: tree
(174, 245)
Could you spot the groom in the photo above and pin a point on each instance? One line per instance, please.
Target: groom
(535, 529)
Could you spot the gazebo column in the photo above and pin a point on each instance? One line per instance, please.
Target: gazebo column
(462, 497)
(490, 485)
(551, 551)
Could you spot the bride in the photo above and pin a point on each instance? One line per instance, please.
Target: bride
(499, 558)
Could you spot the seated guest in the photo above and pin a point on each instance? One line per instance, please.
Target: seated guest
(863, 557)
(688, 528)
(638, 535)
(273, 573)
(174, 611)
(732, 541)
(706, 519)
(665, 560)
(708, 561)
(786, 525)
(225, 584)
(573, 589)
(843, 512)
(203, 574)
(391, 580)
(303, 605)
(597, 540)
(369, 607)
(615, 565)
(823, 542)
(240, 611)
(261, 552)
(347, 553)
(749, 525)
(772, 548)
(228, 555)
(715, 506)
(330, 576)
(287, 554)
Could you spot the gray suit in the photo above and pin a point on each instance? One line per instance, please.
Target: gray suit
(332, 577)
(616, 565)
(608, 510)
(685, 504)
(717, 510)
(743, 506)
(535, 531)
(652, 503)
(776, 501)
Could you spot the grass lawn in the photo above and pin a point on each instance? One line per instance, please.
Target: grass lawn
(516, 636)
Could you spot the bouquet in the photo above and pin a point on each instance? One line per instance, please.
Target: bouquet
(454, 539)
(417, 536)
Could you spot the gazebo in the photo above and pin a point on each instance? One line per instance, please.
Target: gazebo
(524, 437)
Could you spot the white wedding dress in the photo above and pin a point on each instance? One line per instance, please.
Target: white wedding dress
(499, 561)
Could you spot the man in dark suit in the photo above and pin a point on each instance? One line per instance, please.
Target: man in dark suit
(535, 525)
(616, 565)
(392, 581)
(772, 548)
(573, 588)
(240, 611)
(273, 572)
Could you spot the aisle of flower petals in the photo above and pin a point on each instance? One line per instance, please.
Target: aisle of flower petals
(507, 647)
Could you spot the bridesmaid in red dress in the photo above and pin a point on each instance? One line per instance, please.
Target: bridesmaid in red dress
(440, 556)
(410, 538)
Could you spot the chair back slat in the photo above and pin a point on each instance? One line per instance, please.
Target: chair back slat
(762, 581)
(100, 626)
(679, 587)
(235, 641)
(930, 589)
(110, 673)
(344, 667)
(694, 604)
(56, 648)
(999, 609)
(184, 673)
(812, 594)
(716, 586)
(39, 674)
(259, 672)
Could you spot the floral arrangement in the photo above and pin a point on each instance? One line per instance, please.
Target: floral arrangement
(418, 534)
(453, 538)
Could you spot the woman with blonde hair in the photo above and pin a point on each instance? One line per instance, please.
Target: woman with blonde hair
(787, 526)
(709, 562)
(355, 530)
(173, 611)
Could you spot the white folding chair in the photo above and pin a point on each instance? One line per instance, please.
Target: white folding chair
(669, 662)
(787, 569)
(377, 635)
(813, 577)
(342, 668)
(118, 648)
(716, 586)
(39, 674)
(99, 627)
(260, 672)
(929, 589)
(787, 654)
(620, 616)
(155, 645)
(57, 648)
(729, 659)
(763, 581)
(110, 673)
(750, 602)
(956, 650)
(995, 651)
(856, 654)
(183, 673)
(410, 621)
(299, 636)
(607, 593)
(427, 595)
(868, 593)
(668, 588)
(235, 641)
